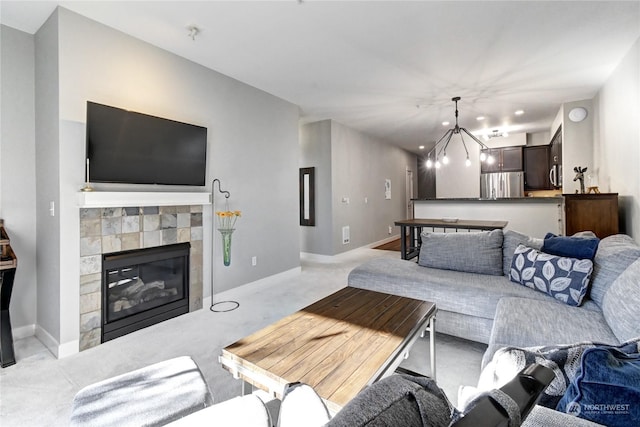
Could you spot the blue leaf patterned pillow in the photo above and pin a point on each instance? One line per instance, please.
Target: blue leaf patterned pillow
(565, 279)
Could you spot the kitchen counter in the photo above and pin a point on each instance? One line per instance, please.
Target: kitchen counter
(555, 199)
(534, 216)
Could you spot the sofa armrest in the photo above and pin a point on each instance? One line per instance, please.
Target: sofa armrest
(511, 403)
(247, 410)
(545, 417)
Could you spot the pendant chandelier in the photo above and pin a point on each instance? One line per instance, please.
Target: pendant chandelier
(438, 153)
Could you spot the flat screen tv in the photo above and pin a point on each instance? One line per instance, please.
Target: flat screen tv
(134, 148)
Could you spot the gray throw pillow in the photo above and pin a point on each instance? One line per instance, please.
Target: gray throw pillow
(471, 252)
(511, 241)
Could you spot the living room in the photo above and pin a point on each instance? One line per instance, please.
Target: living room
(50, 74)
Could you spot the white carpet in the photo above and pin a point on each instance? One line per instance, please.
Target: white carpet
(39, 389)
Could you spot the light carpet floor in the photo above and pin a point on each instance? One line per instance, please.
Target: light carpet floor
(39, 389)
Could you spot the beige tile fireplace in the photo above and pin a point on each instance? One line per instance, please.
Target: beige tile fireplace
(105, 230)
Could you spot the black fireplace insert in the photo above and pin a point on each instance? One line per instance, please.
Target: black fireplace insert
(143, 287)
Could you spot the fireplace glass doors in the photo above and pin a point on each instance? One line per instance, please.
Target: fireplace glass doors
(143, 287)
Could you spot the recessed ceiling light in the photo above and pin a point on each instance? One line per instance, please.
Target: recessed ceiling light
(421, 147)
(479, 118)
(445, 123)
(519, 112)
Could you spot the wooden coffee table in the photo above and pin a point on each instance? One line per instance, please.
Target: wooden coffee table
(337, 345)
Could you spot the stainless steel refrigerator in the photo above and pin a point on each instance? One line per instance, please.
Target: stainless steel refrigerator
(499, 185)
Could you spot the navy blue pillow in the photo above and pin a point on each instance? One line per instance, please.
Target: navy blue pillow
(572, 247)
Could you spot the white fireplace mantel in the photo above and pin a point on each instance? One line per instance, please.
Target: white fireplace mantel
(110, 199)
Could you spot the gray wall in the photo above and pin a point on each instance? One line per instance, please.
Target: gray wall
(455, 179)
(577, 144)
(353, 165)
(47, 182)
(315, 151)
(617, 138)
(252, 147)
(17, 170)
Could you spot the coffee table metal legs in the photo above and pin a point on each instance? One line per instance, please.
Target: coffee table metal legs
(432, 345)
(245, 375)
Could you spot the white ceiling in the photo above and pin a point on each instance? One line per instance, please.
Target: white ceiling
(369, 65)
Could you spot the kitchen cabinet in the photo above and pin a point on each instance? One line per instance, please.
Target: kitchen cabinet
(594, 212)
(556, 148)
(507, 159)
(536, 167)
(555, 160)
(485, 167)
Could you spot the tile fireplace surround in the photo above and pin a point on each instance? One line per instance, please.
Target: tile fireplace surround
(114, 229)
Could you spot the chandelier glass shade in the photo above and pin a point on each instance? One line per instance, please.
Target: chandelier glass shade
(437, 156)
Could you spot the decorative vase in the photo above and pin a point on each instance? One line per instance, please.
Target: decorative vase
(226, 244)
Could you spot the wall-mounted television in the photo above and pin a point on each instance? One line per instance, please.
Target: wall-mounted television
(134, 148)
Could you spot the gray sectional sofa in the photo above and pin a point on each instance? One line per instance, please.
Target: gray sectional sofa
(468, 279)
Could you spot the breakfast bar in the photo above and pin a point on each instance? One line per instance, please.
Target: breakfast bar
(411, 247)
(534, 216)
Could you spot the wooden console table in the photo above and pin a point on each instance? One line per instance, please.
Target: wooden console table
(410, 248)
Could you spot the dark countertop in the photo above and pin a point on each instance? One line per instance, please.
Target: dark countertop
(471, 224)
(501, 200)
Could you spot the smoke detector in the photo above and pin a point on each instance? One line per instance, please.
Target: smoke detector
(193, 32)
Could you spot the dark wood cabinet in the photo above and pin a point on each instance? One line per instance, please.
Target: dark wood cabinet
(556, 148)
(511, 159)
(486, 167)
(507, 159)
(536, 167)
(555, 159)
(591, 212)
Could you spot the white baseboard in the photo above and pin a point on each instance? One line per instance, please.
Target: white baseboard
(383, 241)
(308, 256)
(206, 302)
(68, 348)
(23, 332)
(46, 339)
(327, 259)
(59, 350)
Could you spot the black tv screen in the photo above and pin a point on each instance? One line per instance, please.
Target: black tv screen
(129, 147)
